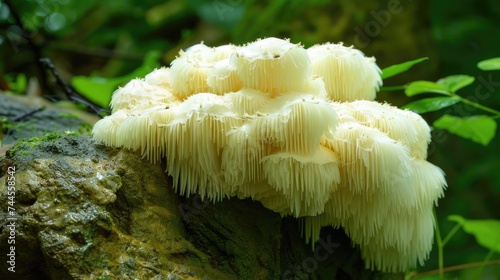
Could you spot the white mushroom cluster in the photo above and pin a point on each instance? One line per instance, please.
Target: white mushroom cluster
(296, 129)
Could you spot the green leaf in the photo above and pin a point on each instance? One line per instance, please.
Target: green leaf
(489, 64)
(419, 87)
(99, 90)
(400, 68)
(456, 82)
(96, 89)
(18, 83)
(392, 88)
(161, 13)
(486, 232)
(480, 129)
(431, 104)
(21, 82)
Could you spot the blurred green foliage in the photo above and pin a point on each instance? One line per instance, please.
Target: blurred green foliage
(17, 82)
(95, 88)
(94, 41)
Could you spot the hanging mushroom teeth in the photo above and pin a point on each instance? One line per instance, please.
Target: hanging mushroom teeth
(272, 65)
(105, 130)
(294, 122)
(400, 125)
(306, 180)
(223, 78)
(204, 69)
(294, 129)
(348, 74)
(247, 102)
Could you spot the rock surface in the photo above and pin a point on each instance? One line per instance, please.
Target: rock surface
(35, 116)
(84, 211)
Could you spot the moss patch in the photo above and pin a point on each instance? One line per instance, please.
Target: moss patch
(23, 147)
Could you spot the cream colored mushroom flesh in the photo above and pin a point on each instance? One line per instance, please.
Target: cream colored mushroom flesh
(296, 129)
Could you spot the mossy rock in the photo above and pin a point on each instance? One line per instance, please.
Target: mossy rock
(24, 117)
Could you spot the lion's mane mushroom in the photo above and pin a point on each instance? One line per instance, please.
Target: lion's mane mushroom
(348, 74)
(294, 129)
(272, 65)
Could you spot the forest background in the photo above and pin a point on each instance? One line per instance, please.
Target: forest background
(99, 45)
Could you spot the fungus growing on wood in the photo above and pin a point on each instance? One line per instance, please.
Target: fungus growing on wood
(294, 129)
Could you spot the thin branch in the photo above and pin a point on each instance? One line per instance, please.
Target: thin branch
(439, 241)
(43, 63)
(70, 93)
(23, 116)
(451, 233)
(34, 48)
(392, 88)
(456, 267)
(479, 106)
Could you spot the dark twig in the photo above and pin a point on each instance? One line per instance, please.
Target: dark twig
(22, 116)
(70, 93)
(17, 118)
(29, 39)
(43, 63)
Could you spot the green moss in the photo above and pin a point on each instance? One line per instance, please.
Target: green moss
(69, 116)
(15, 126)
(85, 129)
(24, 146)
(72, 133)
